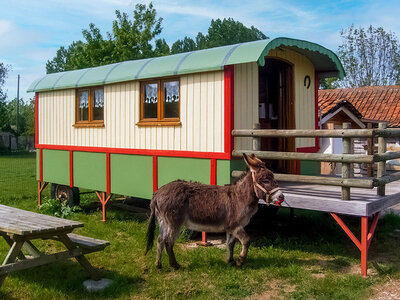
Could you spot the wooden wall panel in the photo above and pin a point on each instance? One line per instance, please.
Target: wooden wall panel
(246, 101)
(246, 96)
(201, 117)
(304, 98)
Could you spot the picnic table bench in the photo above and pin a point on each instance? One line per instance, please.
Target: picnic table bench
(19, 227)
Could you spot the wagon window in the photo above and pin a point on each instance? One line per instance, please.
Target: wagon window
(150, 100)
(83, 109)
(159, 103)
(90, 107)
(98, 104)
(171, 99)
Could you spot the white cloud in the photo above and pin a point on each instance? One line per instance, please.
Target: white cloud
(5, 27)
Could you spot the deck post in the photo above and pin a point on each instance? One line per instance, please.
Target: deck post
(256, 140)
(381, 165)
(364, 245)
(346, 172)
(370, 151)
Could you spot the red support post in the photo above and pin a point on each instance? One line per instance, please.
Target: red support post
(41, 187)
(366, 237)
(347, 230)
(213, 181)
(364, 245)
(104, 198)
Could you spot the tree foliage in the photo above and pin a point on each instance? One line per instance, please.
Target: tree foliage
(129, 40)
(4, 69)
(220, 33)
(229, 31)
(133, 38)
(370, 57)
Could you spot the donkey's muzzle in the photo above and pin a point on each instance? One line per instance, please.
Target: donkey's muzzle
(277, 198)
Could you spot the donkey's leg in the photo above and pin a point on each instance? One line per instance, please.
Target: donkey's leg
(162, 236)
(245, 241)
(230, 244)
(169, 245)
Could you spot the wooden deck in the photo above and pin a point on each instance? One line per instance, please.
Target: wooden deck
(364, 202)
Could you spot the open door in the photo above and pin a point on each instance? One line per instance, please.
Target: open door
(276, 109)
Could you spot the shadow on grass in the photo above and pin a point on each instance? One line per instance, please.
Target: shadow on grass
(273, 262)
(130, 209)
(66, 280)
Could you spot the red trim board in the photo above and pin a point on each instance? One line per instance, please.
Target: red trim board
(194, 154)
(316, 87)
(36, 118)
(108, 170)
(228, 109)
(41, 165)
(213, 172)
(155, 173)
(71, 168)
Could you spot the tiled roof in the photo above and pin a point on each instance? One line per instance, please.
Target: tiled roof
(380, 103)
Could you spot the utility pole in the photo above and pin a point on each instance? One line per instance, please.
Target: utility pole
(17, 128)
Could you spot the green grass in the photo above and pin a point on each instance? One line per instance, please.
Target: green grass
(301, 258)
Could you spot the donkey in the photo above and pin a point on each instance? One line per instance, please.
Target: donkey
(211, 208)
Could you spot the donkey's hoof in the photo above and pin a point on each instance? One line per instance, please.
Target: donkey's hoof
(231, 262)
(176, 266)
(239, 263)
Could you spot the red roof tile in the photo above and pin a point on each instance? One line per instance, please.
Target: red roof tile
(380, 103)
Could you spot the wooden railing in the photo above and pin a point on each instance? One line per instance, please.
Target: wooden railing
(347, 158)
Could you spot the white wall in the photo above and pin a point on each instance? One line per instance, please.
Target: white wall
(202, 118)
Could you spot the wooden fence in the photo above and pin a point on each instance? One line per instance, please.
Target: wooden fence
(347, 158)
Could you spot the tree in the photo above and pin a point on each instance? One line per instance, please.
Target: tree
(370, 56)
(128, 40)
(4, 120)
(132, 39)
(161, 48)
(328, 83)
(229, 31)
(185, 45)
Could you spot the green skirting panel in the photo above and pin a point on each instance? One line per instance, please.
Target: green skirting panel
(225, 168)
(310, 167)
(56, 166)
(173, 168)
(90, 170)
(132, 175)
(223, 172)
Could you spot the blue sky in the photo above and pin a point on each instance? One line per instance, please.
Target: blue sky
(31, 31)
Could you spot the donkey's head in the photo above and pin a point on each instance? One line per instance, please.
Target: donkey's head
(264, 183)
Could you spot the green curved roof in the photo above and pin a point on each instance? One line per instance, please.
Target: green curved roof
(325, 61)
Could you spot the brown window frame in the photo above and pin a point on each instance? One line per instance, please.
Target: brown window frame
(160, 120)
(90, 122)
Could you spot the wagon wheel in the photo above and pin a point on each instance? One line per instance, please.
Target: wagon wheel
(65, 193)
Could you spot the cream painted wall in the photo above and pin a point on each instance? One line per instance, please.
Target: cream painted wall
(202, 118)
(246, 101)
(246, 96)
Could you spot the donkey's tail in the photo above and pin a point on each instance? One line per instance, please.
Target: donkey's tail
(152, 226)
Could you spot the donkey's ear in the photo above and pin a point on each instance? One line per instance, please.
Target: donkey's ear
(250, 162)
(258, 160)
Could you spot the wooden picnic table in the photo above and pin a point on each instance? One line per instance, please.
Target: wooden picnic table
(19, 227)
